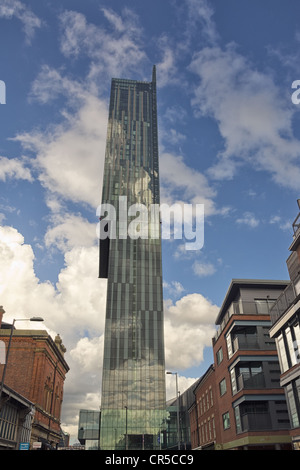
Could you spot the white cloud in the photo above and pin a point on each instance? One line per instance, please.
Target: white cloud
(189, 328)
(180, 183)
(167, 69)
(282, 224)
(203, 269)
(75, 308)
(69, 231)
(253, 115)
(88, 354)
(248, 219)
(69, 158)
(11, 8)
(14, 168)
(201, 12)
(183, 384)
(111, 52)
(63, 306)
(173, 288)
(51, 84)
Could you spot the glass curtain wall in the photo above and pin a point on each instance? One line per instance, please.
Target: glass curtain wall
(133, 387)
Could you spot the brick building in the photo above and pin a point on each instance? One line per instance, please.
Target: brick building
(285, 317)
(204, 420)
(36, 369)
(251, 403)
(239, 402)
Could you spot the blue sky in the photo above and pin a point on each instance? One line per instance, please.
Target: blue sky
(228, 138)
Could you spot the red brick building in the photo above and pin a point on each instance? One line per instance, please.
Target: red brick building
(239, 402)
(36, 369)
(204, 420)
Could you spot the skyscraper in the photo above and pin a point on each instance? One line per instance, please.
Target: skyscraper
(133, 386)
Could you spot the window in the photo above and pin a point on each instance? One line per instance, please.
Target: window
(292, 404)
(213, 426)
(233, 381)
(282, 354)
(209, 429)
(222, 387)
(211, 396)
(226, 421)
(229, 345)
(295, 338)
(237, 419)
(219, 356)
(8, 422)
(290, 344)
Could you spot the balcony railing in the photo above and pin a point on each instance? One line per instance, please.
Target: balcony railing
(287, 298)
(296, 225)
(256, 422)
(243, 307)
(256, 381)
(245, 342)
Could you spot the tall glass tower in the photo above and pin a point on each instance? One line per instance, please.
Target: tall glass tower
(133, 386)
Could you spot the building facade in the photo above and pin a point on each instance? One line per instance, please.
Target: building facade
(36, 369)
(133, 386)
(89, 429)
(285, 317)
(204, 414)
(16, 417)
(252, 409)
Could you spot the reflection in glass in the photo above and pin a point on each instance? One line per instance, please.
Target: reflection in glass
(133, 385)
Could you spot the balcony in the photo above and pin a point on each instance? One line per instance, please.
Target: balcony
(247, 342)
(256, 422)
(289, 296)
(296, 224)
(242, 307)
(255, 382)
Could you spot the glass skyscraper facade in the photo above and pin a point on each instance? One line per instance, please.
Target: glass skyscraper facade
(133, 405)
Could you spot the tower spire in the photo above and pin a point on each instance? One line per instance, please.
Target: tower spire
(154, 74)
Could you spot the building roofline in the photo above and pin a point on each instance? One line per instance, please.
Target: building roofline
(209, 370)
(13, 394)
(37, 335)
(237, 283)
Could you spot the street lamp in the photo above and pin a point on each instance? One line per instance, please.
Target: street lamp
(126, 435)
(8, 348)
(178, 433)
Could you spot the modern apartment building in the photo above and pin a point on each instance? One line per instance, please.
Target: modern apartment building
(133, 406)
(251, 406)
(285, 317)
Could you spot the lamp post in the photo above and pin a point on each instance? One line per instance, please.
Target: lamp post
(126, 435)
(8, 348)
(178, 433)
